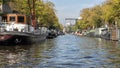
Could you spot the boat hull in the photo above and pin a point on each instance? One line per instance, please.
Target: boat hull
(21, 38)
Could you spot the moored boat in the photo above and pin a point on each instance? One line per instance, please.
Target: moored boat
(15, 29)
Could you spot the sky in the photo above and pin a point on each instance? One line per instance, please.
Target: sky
(72, 8)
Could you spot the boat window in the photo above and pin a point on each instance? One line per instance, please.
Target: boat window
(12, 18)
(20, 18)
(4, 18)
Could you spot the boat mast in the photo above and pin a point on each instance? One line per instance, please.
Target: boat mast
(33, 14)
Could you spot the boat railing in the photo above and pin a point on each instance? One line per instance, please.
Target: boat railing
(15, 27)
(11, 26)
(3, 26)
(43, 30)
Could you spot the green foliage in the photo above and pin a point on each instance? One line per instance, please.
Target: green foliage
(44, 11)
(90, 17)
(107, 13)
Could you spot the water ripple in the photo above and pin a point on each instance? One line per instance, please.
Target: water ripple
(67, 51)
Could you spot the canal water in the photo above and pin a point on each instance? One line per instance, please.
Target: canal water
(67, 51)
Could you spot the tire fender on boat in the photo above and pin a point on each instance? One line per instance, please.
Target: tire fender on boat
(17, 40)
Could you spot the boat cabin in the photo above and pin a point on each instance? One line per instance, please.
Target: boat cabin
(16, 18)
(13, 22)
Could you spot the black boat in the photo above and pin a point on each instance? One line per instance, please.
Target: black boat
(15, 29)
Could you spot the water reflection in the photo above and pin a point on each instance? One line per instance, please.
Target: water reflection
(10, 55)
(24, 56)
(67, 51)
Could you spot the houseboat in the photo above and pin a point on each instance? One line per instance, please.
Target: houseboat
(15, 29)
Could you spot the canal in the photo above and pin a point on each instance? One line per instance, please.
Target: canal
(67, 51)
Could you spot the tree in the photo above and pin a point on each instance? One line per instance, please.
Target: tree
(107, 13)
(116, 11)
(44, 11)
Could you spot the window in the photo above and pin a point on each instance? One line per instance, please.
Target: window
(20, 18)
(4, 18)
(12, 18)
